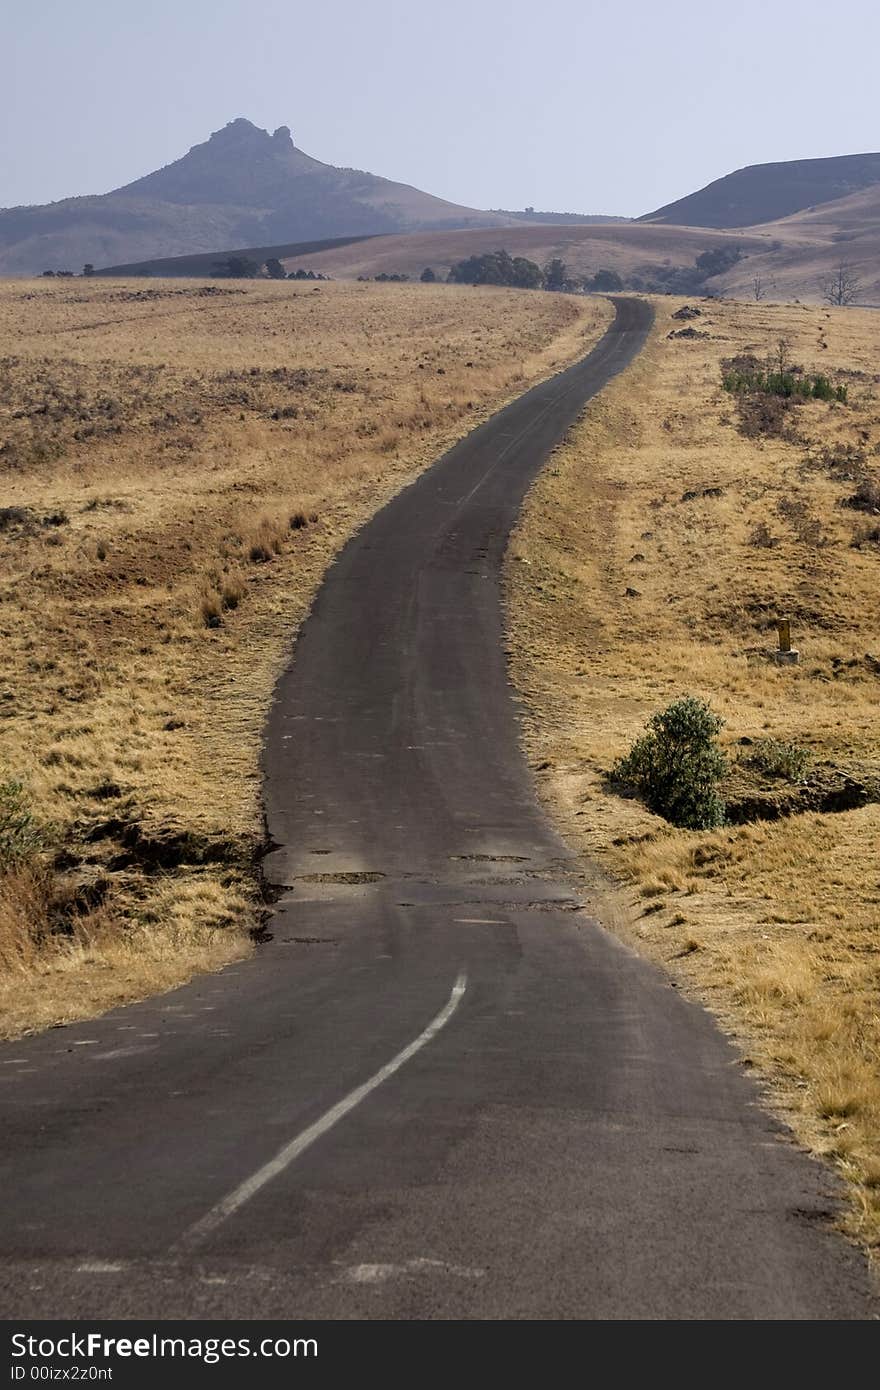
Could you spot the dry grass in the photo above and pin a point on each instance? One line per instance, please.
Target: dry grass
(791, 257)
(806, 248)
(775, 923)
(183, 461)
(627, 248)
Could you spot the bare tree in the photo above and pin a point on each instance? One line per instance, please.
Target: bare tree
(842, 286)
(783, 354)
(758, 289)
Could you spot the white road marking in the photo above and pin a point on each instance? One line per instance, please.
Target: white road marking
(378, 1273)
(292, 1151)
(100, 1267)
(121, 1052)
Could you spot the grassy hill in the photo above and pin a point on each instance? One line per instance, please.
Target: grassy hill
(789, 257)
(203, 262)
(767, 192)
(801, 251)
(624, 247)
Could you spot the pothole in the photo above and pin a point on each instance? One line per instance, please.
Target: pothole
(308, 941)
(509, 906)
(359, 876)
(492, 858)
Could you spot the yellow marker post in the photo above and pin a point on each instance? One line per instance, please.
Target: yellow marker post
(787, 654)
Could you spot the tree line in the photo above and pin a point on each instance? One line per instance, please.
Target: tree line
(842, 286)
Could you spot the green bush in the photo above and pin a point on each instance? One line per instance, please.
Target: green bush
(498, 268)
(607, 280)
(555, 274)
(718, 260)
(20, 836)
(676, 765)
(235, 268)
(789, 384)
(776, 758)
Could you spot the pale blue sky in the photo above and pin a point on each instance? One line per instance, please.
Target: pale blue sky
(568, 105)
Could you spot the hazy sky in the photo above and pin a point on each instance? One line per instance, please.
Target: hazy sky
(567, 105)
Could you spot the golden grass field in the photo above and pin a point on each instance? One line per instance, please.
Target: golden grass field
(791, 257)
(626, 247)
(654, 556)
(804, 249)
(179, 463)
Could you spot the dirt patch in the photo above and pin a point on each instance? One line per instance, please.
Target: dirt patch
(828, 790)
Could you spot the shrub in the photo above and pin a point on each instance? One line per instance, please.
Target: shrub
(718, 260)
(211, 608)
(555, 274)
(845, 463)
(427, 276)
(759, 415)
(498, 268)
(866, 497)
(232, 590)
(788, 383)
(20, 836)
(266, 540)
(747, 375)
(865, 535)
(676, 765)
(235, 268)
(607, 280)
(776, 758)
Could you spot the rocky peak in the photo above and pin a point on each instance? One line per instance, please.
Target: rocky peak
(238, 134)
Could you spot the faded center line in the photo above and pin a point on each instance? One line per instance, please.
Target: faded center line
(292, 1151)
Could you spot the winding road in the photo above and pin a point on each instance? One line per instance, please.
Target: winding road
(441, 1090)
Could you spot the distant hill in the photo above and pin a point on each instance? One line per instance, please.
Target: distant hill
(241, 187)
(802, 251)
(587, 219)
(632, 249)
(767, 192)
(205, 263)
(257, 195)
(791, 256)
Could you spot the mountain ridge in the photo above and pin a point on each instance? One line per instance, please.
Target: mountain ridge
(241, 186)
(760, 193)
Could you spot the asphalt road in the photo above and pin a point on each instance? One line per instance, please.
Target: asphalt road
(441, 1090)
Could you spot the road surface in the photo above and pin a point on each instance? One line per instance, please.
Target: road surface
(441, 1090)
